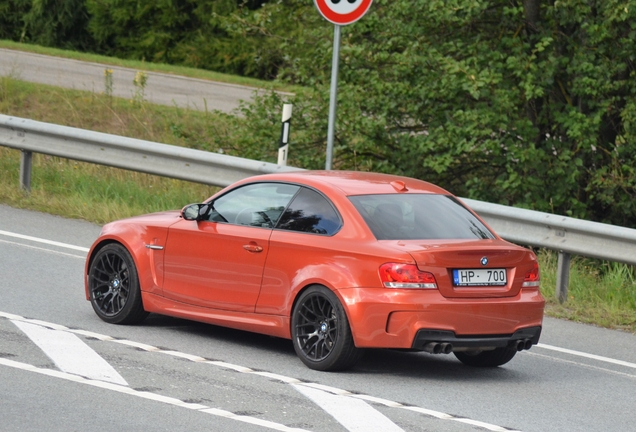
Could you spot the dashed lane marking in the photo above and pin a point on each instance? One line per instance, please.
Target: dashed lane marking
(587, 355)
(583, 365)
(150, 396)
(308, 387)
(53, 251)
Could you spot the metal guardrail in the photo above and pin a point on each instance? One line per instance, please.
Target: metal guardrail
(121, 152)
(567, 235)
(550, 231)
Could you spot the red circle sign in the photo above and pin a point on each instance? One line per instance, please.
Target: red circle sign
(343, 12)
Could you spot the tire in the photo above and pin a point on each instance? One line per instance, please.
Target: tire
(113, 286)
(320, 331)
(493, 358)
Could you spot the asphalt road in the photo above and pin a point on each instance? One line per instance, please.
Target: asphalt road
(181, 375)
(160, 89)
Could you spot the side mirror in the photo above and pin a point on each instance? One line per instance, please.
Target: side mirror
(195, 212)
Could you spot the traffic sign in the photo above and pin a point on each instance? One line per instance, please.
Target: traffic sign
(342, 12)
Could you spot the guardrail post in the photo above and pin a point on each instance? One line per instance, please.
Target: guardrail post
(563, 276)
(25, 170)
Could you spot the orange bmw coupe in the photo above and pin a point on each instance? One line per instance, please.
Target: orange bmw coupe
(336, 261)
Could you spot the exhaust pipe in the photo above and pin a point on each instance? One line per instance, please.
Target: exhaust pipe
(438, 348)
(522, 344)
(433, 347)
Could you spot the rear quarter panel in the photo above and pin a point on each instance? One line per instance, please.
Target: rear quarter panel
(298, 260)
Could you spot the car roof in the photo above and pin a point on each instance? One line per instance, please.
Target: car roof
(354, 182)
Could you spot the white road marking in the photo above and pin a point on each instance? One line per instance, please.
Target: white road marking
(70, 353)
(83, 257)
(44, 241)
(378, 400)
(83, 249)
(583, 365)
(283, 378)
(150, 396)
(480, 424)
(354, 414)
(329, 398)
(440, 415)
(587, 355)
(242, 369)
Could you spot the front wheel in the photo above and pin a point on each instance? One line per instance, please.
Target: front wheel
(114, 286)
(320, 331)
(493, 358)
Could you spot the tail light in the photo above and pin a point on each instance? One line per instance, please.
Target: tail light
(396, 275)
(532, 278)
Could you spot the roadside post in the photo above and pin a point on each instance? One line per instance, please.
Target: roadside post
(339, 13)
(283, 145)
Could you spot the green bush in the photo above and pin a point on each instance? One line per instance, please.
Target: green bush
(523, 103)
(526, 107)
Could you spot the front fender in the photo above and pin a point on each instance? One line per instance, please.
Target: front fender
(134, 237)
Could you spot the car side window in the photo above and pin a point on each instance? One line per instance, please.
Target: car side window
(310, 212)
(258, 205)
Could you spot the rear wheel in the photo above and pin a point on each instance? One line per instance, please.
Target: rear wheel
(320, 331)
(114, 286)
(493, 358)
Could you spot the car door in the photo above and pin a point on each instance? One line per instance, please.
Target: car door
(302, 245)
(218, 262)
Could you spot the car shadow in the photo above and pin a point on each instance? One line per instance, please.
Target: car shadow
(221, 334)
(375, 362)
(444, 368)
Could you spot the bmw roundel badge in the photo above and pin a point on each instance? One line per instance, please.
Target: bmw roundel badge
(484, 261)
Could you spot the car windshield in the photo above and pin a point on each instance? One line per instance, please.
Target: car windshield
(419, 217)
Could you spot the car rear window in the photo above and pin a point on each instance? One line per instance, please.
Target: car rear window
(419, 217)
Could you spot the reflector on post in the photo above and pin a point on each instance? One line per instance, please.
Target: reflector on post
(283, 145)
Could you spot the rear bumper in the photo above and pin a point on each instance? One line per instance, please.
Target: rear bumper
(407, 319)
(425, 337)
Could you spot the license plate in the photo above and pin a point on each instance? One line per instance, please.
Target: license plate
(479, 277)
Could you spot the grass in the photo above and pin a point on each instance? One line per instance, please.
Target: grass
(93, 192)
(600, 293)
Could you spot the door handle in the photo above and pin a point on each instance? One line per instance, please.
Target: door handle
(253, 247)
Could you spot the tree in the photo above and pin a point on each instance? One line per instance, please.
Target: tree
(57, 23)
(220, 35)
(53, 23)
(11, 18)
(519, 102)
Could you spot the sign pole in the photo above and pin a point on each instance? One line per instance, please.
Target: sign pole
(338, 13)
(333, 95)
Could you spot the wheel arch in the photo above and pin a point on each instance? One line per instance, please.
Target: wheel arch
(116, 295)
(99, 245)
(309, 285)
(322, 337)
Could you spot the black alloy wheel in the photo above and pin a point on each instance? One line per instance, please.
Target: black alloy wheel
(114, 286)
(320, 331)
